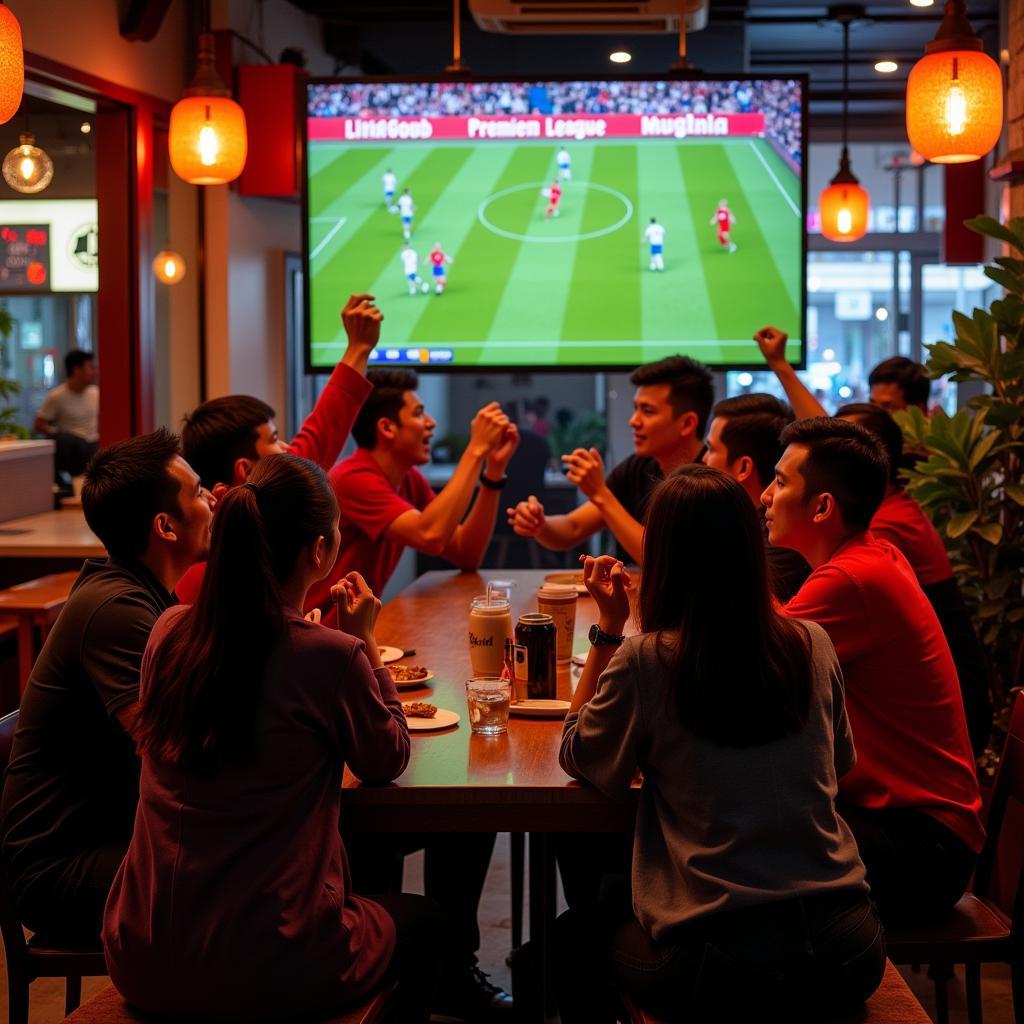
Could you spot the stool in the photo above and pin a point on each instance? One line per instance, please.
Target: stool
(35, 604)
(892, 1003)
(108, 1007)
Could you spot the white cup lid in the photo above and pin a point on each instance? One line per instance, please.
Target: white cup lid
(557, 590)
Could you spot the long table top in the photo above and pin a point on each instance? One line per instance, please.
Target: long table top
(63, 534)
(457, 781)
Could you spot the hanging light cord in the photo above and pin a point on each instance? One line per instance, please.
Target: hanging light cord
(846, 80)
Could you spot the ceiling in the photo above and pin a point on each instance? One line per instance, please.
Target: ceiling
(766, 37)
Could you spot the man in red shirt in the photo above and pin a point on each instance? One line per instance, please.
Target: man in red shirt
(912, 799)
(386, 503)
(225, 437)
(554, 198)
(724, 221)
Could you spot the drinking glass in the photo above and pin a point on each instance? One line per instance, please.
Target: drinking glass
(488, 699)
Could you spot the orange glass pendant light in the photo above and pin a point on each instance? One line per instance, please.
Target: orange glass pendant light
(207, 138)
(12, 64)
(843, 206)
(168, 266)
(954, 94)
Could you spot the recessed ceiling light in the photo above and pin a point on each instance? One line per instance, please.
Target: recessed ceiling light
(887, 67)
(620, 56)
(86, 127)
(921, 3)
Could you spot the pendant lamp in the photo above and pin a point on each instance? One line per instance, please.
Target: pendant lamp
(954, 94)
(206, 138)
(843, 206)
(168, 266)
(12, 64)
(27, 168)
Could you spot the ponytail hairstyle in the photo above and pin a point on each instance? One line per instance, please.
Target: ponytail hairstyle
(207, 675)
(739, 672)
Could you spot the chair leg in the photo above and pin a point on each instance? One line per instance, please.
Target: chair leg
(517, 860)
(972, 977)
(939, 975)
(1017, 981)
(17, 1000)
(72, 994)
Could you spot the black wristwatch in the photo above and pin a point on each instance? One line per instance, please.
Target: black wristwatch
(494, 485)
(599, 638)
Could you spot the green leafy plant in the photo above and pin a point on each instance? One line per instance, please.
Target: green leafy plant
(971, 481)
(8, 387)
(589, 430)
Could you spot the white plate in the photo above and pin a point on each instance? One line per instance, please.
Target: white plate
(540, 708)
(413, 684)
(442, 720)
(390, 654)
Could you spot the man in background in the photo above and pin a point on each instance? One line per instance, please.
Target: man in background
(70, 414)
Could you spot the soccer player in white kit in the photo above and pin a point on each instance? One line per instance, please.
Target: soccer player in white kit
(406, 209)
(390, 183)
(654, 234)
(411, 264)
(564, 164)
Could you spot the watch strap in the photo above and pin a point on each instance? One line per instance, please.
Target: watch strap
(493, 485)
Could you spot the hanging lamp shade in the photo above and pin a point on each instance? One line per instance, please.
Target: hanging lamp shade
(12, 64)
(27, 168)
(168, 266)
(954, 94)
(207, 138)
(843, 206)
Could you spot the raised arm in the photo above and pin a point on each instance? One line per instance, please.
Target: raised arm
(586, 471)
(772, 343)
(559, 533)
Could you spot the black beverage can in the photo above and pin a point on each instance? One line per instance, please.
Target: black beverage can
(536, 633)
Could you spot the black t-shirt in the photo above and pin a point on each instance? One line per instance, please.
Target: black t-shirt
(73, 779)
(632, 482)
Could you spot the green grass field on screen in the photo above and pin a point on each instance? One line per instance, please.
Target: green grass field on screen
(570, 291)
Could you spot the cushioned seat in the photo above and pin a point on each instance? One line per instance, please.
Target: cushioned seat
(109, 1008)
(971, 929)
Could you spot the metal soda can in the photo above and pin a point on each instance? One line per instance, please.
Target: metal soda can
(535, 631)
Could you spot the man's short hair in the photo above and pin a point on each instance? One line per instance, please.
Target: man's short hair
(844, 459)
(221, 431)
(75, 358)
(691, 386)
(751, 426)
(126, 485)
(911, 378)
(386, 400)
(881, 423)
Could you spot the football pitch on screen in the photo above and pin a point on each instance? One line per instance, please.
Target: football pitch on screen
(571, 290)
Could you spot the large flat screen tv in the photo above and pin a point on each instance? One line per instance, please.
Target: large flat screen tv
(557, 224)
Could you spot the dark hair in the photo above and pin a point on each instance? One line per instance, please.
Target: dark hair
(76, 358)
(691, 386)
(736, 694)
(220, 431)
(911, 377)
(883, 426)
(752, 425)
(386, 400)
(207, 674)
(127, 484)
(844, 459)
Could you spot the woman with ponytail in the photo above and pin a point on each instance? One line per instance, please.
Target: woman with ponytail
(234, 902)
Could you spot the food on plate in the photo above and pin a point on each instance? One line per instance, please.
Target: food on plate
(418, 709)
(408, 673)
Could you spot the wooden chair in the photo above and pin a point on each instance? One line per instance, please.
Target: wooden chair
(893, 1003)
(32, 959)
(108, 1007)
(35, 605)
(987, 925)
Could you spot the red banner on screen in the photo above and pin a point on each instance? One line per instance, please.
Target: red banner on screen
(563, 127)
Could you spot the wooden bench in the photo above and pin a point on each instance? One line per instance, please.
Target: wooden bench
(893, 1003)
(34, 605)
(109, 1008)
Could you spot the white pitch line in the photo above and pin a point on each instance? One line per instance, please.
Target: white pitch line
(330, 234)
(785, 194)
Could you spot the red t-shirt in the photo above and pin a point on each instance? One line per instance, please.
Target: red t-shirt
(902, 693)
(902, 522)
(369, 505)
(320, 440)
(556, 193)
(724, 218)
(437, 257)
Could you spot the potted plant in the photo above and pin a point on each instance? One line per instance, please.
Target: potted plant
(9, 427)
(971, 481)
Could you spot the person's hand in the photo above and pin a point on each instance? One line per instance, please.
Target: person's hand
(357, 606)
(313, 616)
(503, 452)
(362, 323)
(608, 582)
(527, 518)
(585, 470)
(487, 430)
(772, 343)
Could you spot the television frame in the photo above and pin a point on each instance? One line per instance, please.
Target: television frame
(469, 79)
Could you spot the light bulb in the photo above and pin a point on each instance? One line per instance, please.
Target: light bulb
(170, 268)
(956, 110)
(844, 221)
(209, 146)
(27, 167)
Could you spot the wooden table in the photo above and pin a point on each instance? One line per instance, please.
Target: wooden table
(45, 543)
(35, 605)
(460, 782)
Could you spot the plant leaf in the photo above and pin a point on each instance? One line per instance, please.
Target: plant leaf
(992, 532)
(991, 227)
(1016, 492)
(961, 523)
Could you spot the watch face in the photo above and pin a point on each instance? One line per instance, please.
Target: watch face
(594, 633)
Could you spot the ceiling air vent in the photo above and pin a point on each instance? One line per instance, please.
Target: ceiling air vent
(615, 17)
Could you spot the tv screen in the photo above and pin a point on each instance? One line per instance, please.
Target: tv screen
(557, 224)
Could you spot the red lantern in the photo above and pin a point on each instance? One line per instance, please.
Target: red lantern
(207, 138)
(843, 206)
(12, 64)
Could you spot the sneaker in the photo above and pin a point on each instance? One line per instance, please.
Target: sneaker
(472, 998)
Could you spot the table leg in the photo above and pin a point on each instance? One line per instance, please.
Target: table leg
(543, 882)
(26, 651)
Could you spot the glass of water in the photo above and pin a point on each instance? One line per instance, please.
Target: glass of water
(488, 698)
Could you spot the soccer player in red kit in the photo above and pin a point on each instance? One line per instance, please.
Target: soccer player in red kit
(554, 196)
(724, 219)
(439, 259)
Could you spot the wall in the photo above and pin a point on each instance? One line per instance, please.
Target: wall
(1015, 97)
